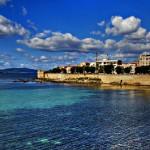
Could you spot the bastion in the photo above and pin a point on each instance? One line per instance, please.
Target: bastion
(129, 79)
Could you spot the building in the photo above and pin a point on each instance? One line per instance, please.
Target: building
(144, 59)
(133, 65)
(40, 74)
(83, 64)
(68, 69)
(93, 64)
(105, 62)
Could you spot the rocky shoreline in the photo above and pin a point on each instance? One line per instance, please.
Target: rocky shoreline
(89, 81)
(99, 79)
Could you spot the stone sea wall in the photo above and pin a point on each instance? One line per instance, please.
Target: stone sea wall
(97, 78)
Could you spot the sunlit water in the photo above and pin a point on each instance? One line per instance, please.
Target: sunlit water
(37, 116)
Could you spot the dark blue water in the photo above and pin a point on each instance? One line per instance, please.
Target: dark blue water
(37, 116)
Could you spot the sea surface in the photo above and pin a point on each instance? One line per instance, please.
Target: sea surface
(52, 116)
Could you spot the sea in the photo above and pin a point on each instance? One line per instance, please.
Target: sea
(53, 116)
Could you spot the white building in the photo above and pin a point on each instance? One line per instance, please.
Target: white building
(93, 64)
(83, 64)
(105, 62)
(132, 65)
(68, 69)
(144, 59)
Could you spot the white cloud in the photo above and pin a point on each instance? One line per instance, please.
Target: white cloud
(124, 55)
(148, 36)
(7, 27)
(43, 58)
(110, 44)
(132, 37)
(102, 23)
(91, 44)
(43, 34)
(123, 26)
(62, 42)
(3, 2)
(132, 46)
(66, 42)
(19, 50)
(139, 34)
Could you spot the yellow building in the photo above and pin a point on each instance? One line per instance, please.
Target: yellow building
(40, 74)
(144, 59)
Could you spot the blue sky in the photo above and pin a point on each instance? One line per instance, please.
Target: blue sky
(46, 33)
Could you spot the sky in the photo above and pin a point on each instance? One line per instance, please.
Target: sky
(45, 34)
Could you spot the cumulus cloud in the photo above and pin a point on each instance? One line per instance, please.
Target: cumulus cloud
(132, 37)
(123, 26)
(139, 34)
(7, 27)
(43, 34)
(110, 44)
(126, 45)
(91, 44)
(133, 46)
(62, 42)
(148, 36)
(3, 2)
(66, 42)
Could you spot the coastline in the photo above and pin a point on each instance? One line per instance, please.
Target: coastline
(96, 79)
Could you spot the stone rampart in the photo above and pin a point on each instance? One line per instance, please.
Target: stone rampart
(103, 78)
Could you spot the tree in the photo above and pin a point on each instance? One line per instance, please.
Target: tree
(79, 69)
(119, 70)
(73, 70)
(63, 70)
(127, 70)
(142, 70)
(108, 69)
(92, 69)
(55, 70)
(89, 69)
(119, 62)
(101, 69)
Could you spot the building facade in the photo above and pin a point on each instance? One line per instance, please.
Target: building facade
(40, 74)
(131, 65)
(105, 62)
(144, 59)
(83, 64)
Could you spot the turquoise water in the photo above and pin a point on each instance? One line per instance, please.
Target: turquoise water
(52, 116)
(29, 97)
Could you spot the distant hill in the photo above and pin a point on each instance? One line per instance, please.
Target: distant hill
(18, 73)
(18, 70)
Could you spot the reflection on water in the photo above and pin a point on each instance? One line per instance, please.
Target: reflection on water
(65, 117)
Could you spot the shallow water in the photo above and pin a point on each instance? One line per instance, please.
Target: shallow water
(37, 116)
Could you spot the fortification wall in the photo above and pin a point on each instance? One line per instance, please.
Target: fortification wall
(106, 79)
